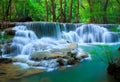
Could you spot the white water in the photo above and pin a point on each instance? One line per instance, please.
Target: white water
(91, 34)
(26, 42)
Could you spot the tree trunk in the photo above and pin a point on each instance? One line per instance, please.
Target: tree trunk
(7, 10)
(53, 10)
(64, 14)
(77, 12)
(105, 9)
(70, 11)
(61, 12)
(46, 3)
(91, 4)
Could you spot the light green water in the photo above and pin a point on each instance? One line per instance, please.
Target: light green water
(87, 71)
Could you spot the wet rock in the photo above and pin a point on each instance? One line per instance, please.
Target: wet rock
(9, 71)
(33, 63)
(61, 61)
(119, 49)
(9, 48)
(82, 56)
(1, 50)
(9, 31)
(114, 69)
(72, 53)
(72, 61)
(46, 55)
(5, 60)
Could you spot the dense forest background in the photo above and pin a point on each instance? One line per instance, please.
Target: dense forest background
(76, 11)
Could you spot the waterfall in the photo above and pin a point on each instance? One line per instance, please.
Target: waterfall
(91, 33)
(81, 33)
(55, 38)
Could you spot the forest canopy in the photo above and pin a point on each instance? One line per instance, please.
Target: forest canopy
(75, 11)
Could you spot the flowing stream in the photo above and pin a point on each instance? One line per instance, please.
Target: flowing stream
(90, 38)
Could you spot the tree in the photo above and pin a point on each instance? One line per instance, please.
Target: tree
(53, 10)
(46, 3)
(91, 7)
(77, 12)
(7, 10)
(70, 11)
(105, 9)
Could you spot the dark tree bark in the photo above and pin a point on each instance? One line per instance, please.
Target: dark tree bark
(61, 12)
(105, 9)
(77, 12)
(70, 11)
(118, 1)
(46, 3)
(91, 5)
(7, 10)
(53, 10)
(64, 10)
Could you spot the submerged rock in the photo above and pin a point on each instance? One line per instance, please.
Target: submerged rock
(12, 72)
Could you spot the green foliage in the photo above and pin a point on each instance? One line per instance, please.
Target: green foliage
(37, 10)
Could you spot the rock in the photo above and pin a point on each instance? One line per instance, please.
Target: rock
(81, 56)
(9, 31)
(72, 61)
(5, 60)
(45, 55)
(23, 19)
(119, 49)
(1, 50)
(114, 68)
(20, 58)
(33, 63)
(10, 72)
(72, 53)
(9, 48)
(61, 61)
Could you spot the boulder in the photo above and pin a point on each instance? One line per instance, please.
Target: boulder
(46, 55)
(114, 69)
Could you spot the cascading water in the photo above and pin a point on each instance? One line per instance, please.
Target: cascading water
(49, 38)
(90, 34)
